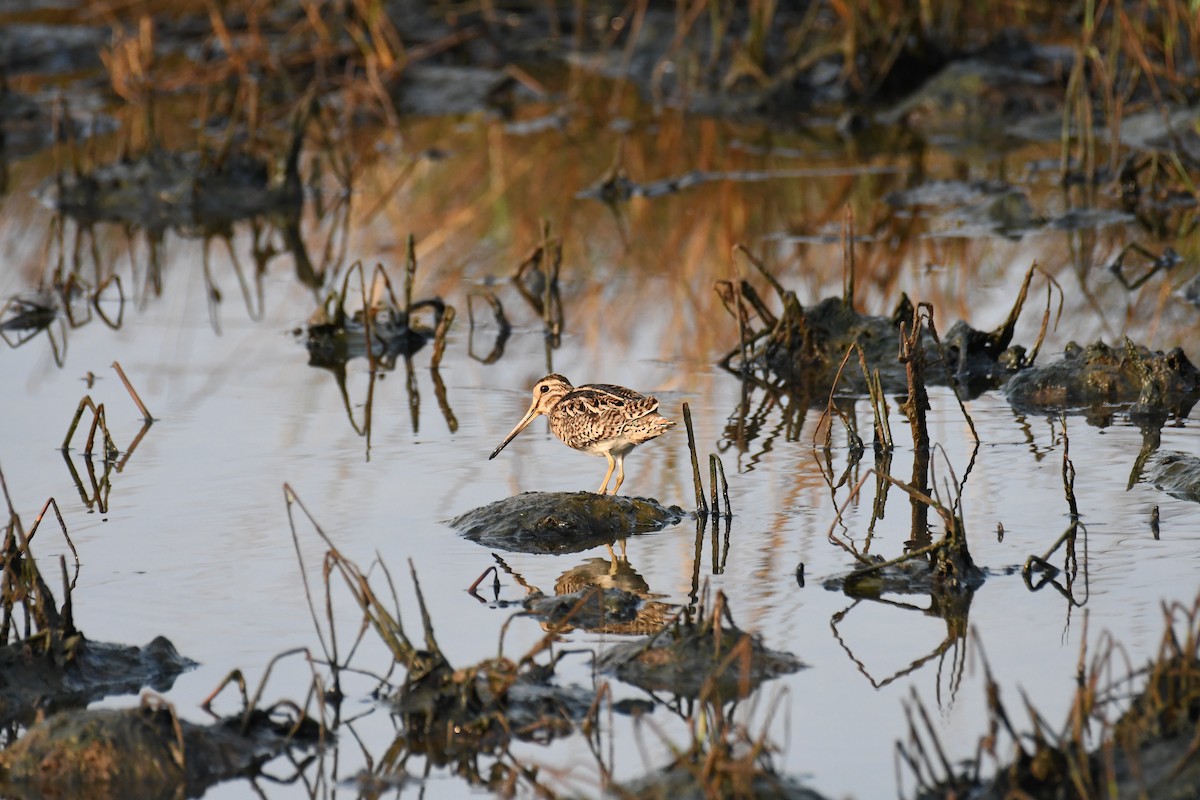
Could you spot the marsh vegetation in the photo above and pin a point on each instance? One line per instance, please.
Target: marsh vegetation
(919, 283)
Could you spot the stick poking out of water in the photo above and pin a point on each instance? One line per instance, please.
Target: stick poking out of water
(132, 392)
(701, 504)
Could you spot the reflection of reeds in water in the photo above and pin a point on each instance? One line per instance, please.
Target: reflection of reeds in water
(672, 248)
(97, 494)
(1129, 732)
(475, 194)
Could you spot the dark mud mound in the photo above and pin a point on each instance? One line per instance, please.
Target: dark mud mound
(1099, 377)
(813, 340)
(562, 522)
(690, 659)
(804, 349)
(168, 189)
(81, 671)
(141, 752)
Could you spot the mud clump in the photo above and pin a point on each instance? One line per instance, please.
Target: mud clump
(75, 671)
(142, 752)
(1099, 376)
(804, 349)
(809, 344)
(562, 522)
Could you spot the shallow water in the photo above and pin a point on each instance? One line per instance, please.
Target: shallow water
(195, 545)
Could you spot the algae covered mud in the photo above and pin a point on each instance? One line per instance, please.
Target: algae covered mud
(919, 288)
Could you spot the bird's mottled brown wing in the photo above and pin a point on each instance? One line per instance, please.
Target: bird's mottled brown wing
(636, 404)
(598, 412)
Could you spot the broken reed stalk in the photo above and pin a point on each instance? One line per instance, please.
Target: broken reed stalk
(912, 356)
(1051, 285)
(879, 406)
(67, 611)
(98, 422)
(951, 381)
(61, 524)
(132, 392)
(701, 504)
(758, 265)
(380, 276)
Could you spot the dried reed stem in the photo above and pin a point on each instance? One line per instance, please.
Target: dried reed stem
(701, 504)
(132, 392)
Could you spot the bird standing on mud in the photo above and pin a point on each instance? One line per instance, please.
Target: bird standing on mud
(597, 418)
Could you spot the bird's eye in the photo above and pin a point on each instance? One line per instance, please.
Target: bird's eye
(545, 389)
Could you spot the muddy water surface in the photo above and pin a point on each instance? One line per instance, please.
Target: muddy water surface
(194, 544)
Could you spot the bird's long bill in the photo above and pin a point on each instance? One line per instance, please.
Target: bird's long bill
(529, 417)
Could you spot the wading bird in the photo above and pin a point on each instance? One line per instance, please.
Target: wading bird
(598, 418)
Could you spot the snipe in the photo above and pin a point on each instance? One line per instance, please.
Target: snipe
(597, 418)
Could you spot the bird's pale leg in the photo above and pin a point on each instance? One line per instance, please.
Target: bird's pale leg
(607, 475)
(620, 472)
